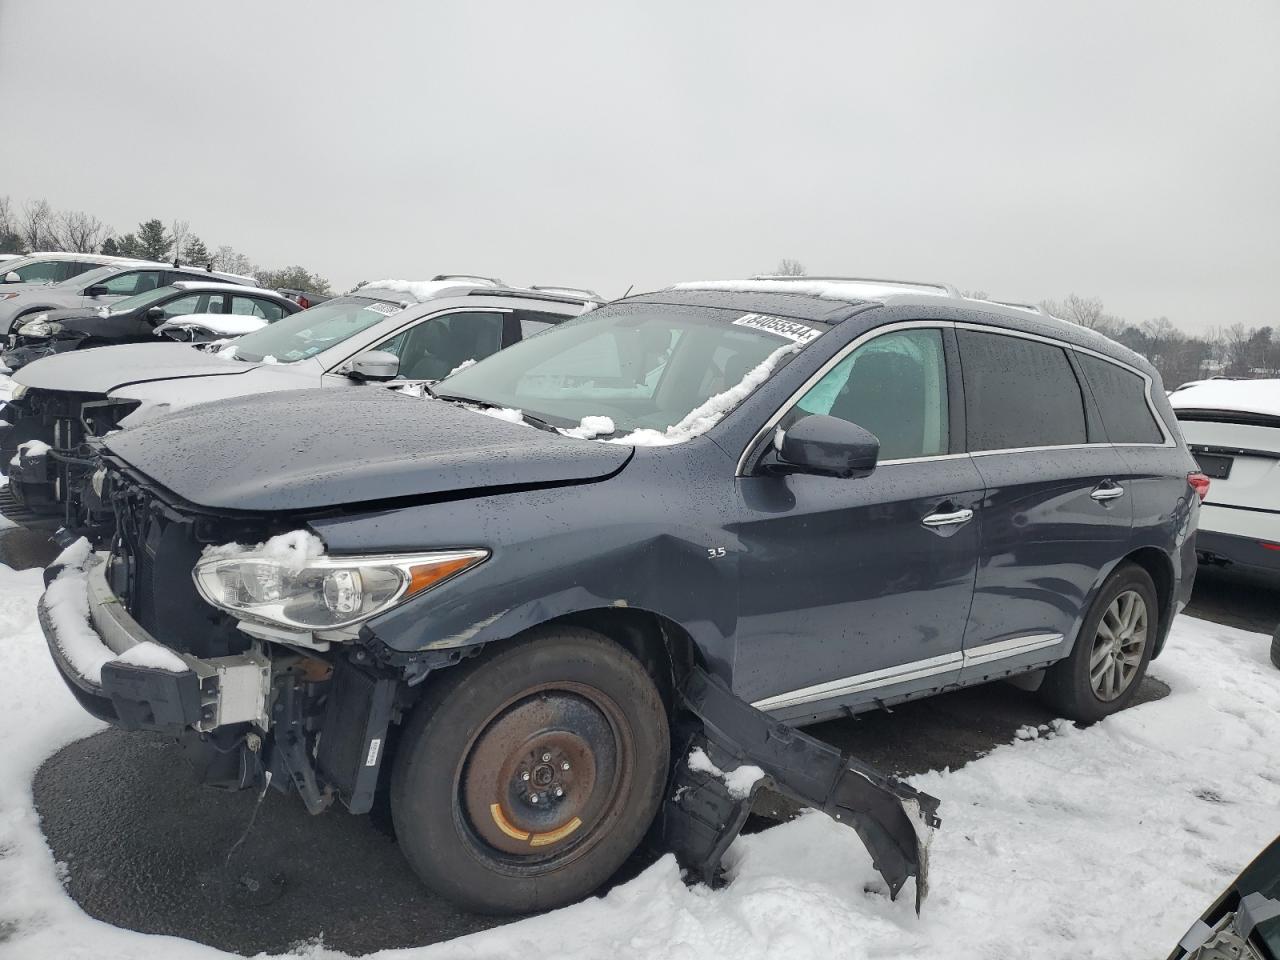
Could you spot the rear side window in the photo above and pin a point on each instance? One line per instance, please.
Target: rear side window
(1019, 393)
(1122, 399)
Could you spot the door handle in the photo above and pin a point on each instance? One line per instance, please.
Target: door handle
(948, 519)
(1107, 491)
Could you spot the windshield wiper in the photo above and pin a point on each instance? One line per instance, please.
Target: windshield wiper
(490, 405)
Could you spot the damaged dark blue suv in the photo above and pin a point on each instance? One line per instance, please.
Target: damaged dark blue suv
(588, 588)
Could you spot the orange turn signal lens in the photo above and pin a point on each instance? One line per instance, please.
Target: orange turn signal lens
(424, 575)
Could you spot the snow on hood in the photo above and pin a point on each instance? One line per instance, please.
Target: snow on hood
(315, 448)
(1242, 396)
(86, 370)
(220, 324)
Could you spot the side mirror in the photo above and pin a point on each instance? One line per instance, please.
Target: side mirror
(12, 277)
(374, 365)
(827, 447)
(155, 313)
(96, 290)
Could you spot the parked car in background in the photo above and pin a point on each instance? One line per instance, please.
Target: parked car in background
(99, 287)
(1233, 429)
(759, 502)
(394, 330)
(305, 298)
(136, 319)
(50, 268)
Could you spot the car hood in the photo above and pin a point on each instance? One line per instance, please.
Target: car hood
(308, 449)
(96, 371)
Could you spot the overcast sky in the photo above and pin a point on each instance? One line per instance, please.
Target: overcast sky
(1129, 151)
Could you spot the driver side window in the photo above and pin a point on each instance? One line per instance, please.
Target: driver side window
(127, 284)
(435, 348)
(895, 386)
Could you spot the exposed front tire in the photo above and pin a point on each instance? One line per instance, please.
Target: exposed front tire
(527, 776)
(1112, 651)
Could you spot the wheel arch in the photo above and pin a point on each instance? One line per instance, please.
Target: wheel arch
(1160, 568)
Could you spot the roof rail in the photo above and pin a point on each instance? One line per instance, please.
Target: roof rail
(582, 292)
(551, 295)
(951, 291)
(468, 276)
(1033, 307)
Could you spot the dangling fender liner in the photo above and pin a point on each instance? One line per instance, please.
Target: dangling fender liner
(702, 816)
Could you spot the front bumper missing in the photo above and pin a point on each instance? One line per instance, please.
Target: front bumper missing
(702, 817)
(208, 694)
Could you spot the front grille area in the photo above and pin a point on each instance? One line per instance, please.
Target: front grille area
(153, 552)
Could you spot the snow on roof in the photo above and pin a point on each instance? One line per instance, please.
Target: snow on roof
(222, 324)
(1244, 396)
(224, 285)
(419, 290)
(825, 289)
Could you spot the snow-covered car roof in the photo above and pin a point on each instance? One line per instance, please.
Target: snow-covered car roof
(826, 288)
(216, 285)
(221, 324)
(1237, 396)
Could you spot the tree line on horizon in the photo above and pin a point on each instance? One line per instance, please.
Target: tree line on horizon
(1227, 351)
(38, 226)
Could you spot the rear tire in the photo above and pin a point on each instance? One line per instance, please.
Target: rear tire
(1111, 652)
(528, 775)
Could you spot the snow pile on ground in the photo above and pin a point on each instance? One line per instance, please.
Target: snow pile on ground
(1105, 842)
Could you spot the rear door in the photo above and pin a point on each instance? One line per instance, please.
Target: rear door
(1056, 508)
(858, 590)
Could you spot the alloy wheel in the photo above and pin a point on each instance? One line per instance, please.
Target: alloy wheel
(1118, 646)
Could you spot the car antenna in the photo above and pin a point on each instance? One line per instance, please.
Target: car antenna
(175, 261)
(209, 267)
(629, 289)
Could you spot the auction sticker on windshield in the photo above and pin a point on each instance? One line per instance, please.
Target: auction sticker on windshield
(386, 309)
(789, 329)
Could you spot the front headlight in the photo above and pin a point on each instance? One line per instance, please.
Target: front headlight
(327, 592)
(39, 328)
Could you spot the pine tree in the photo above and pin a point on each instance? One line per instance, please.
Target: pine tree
(154, 241)
(195, 252)
(128, 246)
(110, 248)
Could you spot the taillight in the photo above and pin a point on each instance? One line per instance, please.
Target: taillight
(1201, 484)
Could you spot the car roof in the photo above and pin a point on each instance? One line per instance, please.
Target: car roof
(216, 285)
(103, 259)
(1237, 396)
(836, 299)
(441, 286)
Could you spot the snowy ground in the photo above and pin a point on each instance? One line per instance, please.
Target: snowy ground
(1104, 842)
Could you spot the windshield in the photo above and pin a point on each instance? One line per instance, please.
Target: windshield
(141, 299)
(85, 280)
(644, 373)
(305, 334)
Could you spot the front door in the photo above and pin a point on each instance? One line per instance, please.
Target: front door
(857, 590)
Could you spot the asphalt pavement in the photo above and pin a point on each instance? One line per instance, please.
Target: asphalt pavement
(149, 850)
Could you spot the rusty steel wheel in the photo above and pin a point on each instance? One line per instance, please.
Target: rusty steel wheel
(529, 774)
(545, 774)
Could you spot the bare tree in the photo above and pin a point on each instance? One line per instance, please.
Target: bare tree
(10, 242)
(790, 268)
(1087, 312)
(35, 226)
(179, 229)
(233, 261)
(79, 232)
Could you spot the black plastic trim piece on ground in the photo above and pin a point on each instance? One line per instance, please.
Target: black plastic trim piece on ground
(701, 817)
